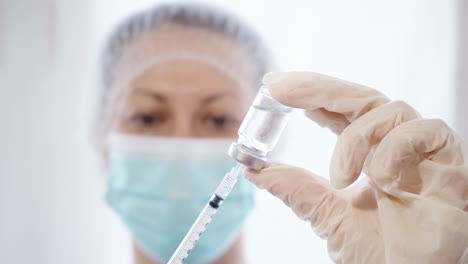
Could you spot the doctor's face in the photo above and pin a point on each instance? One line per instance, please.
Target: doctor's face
(183, 98)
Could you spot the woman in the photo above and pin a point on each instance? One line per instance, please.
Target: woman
(177, 82)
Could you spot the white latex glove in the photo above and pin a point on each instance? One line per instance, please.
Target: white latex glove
(412, 206)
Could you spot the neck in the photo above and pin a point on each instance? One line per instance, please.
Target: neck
(233, 255)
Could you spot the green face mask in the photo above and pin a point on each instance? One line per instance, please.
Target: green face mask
(158, 186)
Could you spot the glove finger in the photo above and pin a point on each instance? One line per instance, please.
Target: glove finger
(425, 157)
(333, 121)
(310, 196)
(311, 91)
(355, 143)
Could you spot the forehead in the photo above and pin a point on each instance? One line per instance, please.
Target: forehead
(188, 78)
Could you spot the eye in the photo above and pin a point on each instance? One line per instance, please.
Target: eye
(146, 119)
(219, 121)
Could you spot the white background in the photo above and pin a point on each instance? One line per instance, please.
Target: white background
(51, 208)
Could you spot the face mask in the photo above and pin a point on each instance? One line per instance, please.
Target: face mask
(158, 186)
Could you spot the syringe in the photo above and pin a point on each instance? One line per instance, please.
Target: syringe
(258, 134)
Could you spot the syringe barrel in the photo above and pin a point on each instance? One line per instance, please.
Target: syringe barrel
(261, 128)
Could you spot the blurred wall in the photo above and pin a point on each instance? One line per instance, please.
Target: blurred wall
(461, 98)
(50, 210)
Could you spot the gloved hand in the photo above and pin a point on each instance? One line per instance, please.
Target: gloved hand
(412, 207)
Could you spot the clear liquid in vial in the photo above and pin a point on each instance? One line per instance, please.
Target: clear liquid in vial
(264, 127)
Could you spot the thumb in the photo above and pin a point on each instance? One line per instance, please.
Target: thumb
(310, 196)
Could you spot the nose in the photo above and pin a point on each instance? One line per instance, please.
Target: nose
(183, 127)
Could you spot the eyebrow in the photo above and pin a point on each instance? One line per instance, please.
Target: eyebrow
(156, 96)
(214, 97)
